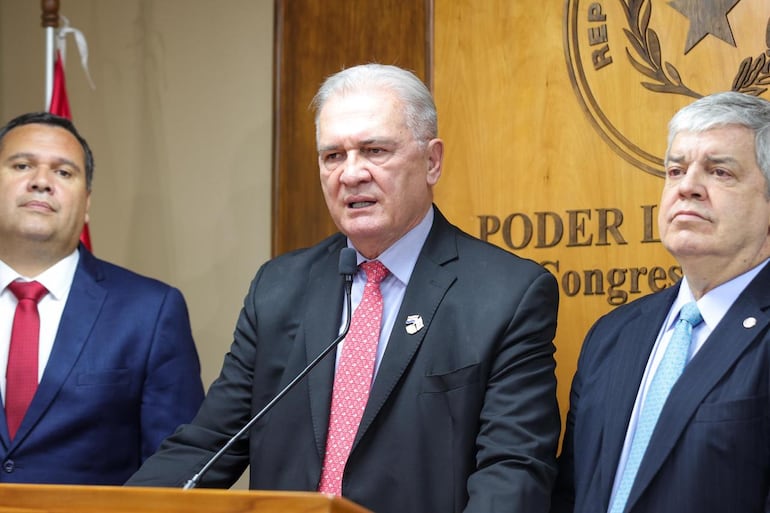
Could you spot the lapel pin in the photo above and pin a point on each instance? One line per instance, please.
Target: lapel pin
(414, 324)
(749, 322)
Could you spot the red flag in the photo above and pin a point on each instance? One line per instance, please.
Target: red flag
(60, 106)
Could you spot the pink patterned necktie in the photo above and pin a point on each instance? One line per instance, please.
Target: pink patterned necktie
(21, 373)
(353, 379)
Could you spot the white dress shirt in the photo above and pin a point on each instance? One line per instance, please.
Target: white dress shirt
(58, 280)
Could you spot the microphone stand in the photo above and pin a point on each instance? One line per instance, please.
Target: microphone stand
(348, 271)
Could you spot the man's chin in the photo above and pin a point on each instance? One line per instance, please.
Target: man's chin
(362, 226)
(36, 233)
(365, 234)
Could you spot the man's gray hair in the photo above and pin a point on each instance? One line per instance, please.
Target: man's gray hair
(419, 107)
(728, 108)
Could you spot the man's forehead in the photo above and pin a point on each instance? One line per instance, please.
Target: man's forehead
(42, 140)
(38, 130)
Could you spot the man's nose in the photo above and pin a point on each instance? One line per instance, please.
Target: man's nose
(355, 168)
(40, 180)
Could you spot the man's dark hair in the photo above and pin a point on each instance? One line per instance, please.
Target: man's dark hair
(46, 118)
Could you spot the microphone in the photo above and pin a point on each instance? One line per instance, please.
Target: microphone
(347, 268)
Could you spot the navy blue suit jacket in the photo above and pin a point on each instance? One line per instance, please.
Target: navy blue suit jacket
(122, 375)
(710, 450)
(462, 414)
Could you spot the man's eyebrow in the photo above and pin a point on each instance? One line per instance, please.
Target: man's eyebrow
(721, 159)
(364, 142)
(714, 159)
(378, 140)
(329, 147)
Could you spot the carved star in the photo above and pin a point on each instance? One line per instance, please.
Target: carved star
(706, 17)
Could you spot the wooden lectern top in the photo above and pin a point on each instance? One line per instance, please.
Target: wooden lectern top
(32, 498)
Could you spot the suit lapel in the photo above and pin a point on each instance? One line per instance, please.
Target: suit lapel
(426, 288)
(319, 328)
(82, 308)
(635, 342)
(719, 353)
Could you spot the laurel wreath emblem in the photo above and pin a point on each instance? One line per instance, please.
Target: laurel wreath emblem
(752, 77)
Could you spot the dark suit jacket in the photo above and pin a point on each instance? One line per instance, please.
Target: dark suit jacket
(122, 375)
(462, 415)
(710, 451)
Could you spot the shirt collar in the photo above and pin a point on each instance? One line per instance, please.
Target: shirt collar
(57, 278)
(715, 303)
(401, 257)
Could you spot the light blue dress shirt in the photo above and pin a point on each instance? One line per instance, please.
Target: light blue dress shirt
(713, 306)
(400, 259)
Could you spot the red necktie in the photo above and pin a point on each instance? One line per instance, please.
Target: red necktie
(353, 379)
(21, 373)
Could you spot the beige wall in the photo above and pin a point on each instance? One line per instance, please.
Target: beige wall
(180, 125)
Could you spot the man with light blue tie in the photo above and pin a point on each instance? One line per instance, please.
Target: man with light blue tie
(670, 405)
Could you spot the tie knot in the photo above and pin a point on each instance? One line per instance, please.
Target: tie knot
(375, 271)
(690, 314)
(28, 290)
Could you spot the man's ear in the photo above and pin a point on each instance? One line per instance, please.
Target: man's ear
(435, 160)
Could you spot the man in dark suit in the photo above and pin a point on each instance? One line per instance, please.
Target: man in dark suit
(708, 447)
(116, 370)
(461, 414)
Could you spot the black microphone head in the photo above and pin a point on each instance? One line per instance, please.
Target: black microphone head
(348, 263)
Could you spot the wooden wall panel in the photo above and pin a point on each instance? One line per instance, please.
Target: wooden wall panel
(313, 40)
(555, 118)
(519, 148)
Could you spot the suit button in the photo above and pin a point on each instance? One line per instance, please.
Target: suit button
(8, 466)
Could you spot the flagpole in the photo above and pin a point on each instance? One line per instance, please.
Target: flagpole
(50, 21)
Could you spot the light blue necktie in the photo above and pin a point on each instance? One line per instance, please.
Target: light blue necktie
(668, 372)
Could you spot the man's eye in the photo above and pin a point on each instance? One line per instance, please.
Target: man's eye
(64, 173)
(377, 155)
(21, 166)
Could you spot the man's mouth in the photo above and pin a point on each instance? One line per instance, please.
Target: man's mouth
(688, 214)
(360, 204)
(39, 205)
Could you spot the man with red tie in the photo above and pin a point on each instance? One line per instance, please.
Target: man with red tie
(97, 364)
(441, 397)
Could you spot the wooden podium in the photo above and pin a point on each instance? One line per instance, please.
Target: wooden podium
(31, 498)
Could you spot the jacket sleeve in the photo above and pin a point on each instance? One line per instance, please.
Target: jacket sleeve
(172, 390)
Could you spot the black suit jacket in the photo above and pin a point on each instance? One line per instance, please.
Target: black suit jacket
(462, 415)
(710, 450)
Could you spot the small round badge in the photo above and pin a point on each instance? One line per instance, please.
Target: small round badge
(749, 322)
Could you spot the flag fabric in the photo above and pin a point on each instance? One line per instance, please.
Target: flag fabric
(61, 107)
